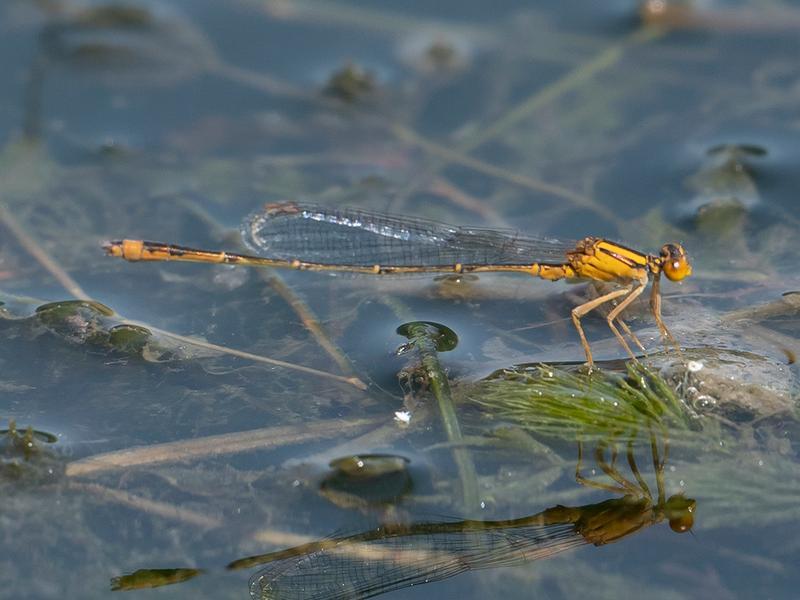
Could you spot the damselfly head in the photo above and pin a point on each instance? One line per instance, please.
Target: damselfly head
(679, 510)
(674, 262)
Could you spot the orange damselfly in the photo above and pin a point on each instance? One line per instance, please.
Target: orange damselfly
(310, 237)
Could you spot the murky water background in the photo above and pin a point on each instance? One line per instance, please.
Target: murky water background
(181, 445)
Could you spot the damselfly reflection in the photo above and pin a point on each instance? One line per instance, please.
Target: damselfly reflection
(393, 557)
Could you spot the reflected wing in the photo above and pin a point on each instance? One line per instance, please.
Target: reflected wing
(358, 567)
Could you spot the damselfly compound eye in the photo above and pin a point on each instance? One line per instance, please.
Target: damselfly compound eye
(676, 263)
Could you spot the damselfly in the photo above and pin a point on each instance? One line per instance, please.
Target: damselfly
(309, 237)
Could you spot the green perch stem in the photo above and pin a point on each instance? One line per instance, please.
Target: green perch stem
(420, 336)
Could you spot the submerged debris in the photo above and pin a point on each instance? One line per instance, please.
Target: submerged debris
(350, 84)
(361, 481)
(25, 457)
(737, 387)
(436, 52)
(128, 44)
(152, 578)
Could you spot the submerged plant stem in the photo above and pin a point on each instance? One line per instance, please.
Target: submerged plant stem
(354, 381)
(381, 436)
(33, 248)
(215, 445)
(454, 156)
(301, 309)
(572, 80)
(147, 505)
(569, 82)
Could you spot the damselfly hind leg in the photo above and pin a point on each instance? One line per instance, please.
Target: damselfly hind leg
(614, 314)
(587, 307)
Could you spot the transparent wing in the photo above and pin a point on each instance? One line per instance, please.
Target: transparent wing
(358, 567)
(356, 237)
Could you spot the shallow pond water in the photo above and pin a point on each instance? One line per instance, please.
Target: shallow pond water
(183, 430)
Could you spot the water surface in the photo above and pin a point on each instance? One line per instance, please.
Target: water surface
(172, 121)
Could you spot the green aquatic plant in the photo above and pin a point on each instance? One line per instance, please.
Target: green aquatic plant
(600, 405)
(428, 339)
